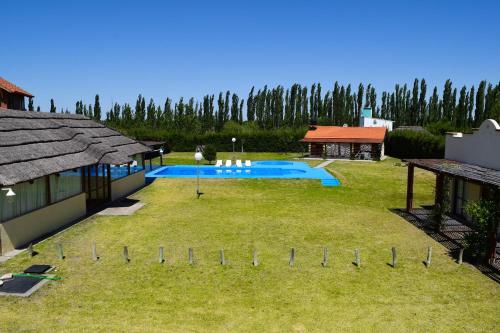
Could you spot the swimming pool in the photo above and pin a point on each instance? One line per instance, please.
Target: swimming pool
(259, 169)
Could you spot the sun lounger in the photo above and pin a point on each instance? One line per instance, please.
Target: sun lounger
(228, 163)
(248, 163)
(218, 163)
(238, 164)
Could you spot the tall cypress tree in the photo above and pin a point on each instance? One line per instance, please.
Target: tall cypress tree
(250, 107)
(434, 106)
(414, 103)
(479, 113)
(226, 107)
(470, 111)
(359, 101)
(52, 106)
(30, 104)
(373, 101)
(447, 100)
(97, 109)
(422, 104)
(234, 108)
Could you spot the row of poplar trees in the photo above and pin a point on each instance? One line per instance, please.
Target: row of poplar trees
(299, 106)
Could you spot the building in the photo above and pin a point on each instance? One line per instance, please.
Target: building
(470, 171)
(60, 166)
(366, 120)
(362, 143)
(11, 96)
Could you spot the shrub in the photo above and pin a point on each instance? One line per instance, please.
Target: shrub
(484, 214)
(411, 144)
(209, 153)
(255, 140)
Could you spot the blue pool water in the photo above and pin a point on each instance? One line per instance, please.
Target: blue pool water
(259, 169)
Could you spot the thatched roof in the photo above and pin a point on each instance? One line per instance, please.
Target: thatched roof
(36, 144)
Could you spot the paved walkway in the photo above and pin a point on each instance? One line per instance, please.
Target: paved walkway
(324, 164)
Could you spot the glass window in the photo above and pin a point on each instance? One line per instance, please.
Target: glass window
(29, 196)
(137, 163)
(65, 185)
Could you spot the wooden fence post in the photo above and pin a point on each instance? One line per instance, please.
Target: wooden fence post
(254, 261)
(429, 257)
(394, 257)
(94, 252)
(357, 258)
(190, 256)
(59, 249)
(292, 257)
(460, 255)
(222, 257)
(325, 257)
(125, 254)
(30, 250)
(161, 255)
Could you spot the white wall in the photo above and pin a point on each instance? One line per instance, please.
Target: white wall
(375, 122)
(480, 148)
(23, 229)
(126, 185)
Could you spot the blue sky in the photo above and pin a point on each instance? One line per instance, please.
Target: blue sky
(71, 50)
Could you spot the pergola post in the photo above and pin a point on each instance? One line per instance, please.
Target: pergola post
(439, 189)
(409, 187)
(492, 237)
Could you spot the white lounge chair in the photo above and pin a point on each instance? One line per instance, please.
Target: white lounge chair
(228, 163)
(218, 163)
(248, 163)
(238, 164)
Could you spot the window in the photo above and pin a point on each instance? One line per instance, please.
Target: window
(137, 163)
(29, 196)
(65, 184)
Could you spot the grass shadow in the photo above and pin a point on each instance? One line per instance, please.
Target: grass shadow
(452, 238)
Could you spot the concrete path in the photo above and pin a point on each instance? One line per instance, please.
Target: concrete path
(124, 210)
(8, 255)
(324, 164)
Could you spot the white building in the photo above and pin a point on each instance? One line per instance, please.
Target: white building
(366, 120)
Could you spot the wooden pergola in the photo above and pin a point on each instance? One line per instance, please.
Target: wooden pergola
(487, 178)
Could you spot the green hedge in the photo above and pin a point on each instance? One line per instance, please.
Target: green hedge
(283, 140)
(411, 144)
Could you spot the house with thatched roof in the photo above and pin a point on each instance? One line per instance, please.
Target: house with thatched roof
(54, 168)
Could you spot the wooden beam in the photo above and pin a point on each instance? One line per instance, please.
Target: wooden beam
(47, 191)
(438, 200)
(409, 187)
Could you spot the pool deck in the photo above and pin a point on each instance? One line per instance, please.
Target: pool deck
(284, 170)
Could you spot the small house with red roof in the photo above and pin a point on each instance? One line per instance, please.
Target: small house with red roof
(360, 143)
(12, 96)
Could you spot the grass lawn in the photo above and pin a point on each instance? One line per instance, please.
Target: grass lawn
(271, 216)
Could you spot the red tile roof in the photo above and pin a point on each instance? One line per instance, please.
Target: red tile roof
(324, 134)
(12, 88)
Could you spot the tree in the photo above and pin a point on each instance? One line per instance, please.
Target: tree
(209, 153)
(422, 104)
(97, 109)
(447, 100)
(234, 108)
(470, 111)
(359, 101)
(434, 106)
(250, 106)
(30, 104)
(479, 113)
(52, 106)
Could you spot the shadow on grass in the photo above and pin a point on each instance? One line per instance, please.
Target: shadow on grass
(451, 237)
